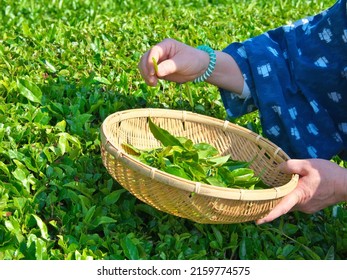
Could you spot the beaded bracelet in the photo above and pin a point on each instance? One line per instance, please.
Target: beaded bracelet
(211, 65)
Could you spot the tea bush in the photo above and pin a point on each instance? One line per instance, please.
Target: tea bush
(64, 67)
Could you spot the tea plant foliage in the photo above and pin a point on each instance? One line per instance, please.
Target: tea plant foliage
(64, 67)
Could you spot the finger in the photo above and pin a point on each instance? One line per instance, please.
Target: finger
(293, 166)
(153, 53)
(145, 70)
(283, 207)
(166, 68)
(162, 52)
(142, 65)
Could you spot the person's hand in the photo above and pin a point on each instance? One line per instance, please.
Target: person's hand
(180, 63)
(321, 183)
(177, 62)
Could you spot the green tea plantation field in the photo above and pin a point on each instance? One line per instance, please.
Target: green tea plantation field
(64, 67)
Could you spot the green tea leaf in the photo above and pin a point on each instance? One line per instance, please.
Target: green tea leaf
(113, 197)
(330, 255)
(177, 171)
(218, 235)
(163, 135)
(20, 203)
(4, 168)
(219, 160)
(40, 249)
(13, 226)
(102, 80)
(129, 247)
(88, 216)
(29, 90)
(130, 149)
(187, 143)
(49, 66)
(205, 150)
(103, 220)
(234, 164)
(42, 226)
(225, 176)
(155, 65)
(214, 181)
(287, 250)
(26, 29)
(290, 229)
(197, 172)
(244, 177)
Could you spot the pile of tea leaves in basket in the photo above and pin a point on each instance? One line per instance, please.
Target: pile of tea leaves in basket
(200, 162)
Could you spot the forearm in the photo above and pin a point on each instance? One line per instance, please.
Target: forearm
(343, 187)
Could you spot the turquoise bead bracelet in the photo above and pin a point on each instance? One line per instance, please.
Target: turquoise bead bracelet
(211, 65)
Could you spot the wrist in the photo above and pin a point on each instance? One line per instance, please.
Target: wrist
(208, 63)
(204, 60)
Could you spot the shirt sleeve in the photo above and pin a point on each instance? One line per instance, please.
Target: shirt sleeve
(297, 78)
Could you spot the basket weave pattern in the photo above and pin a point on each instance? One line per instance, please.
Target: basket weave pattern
(196, 201)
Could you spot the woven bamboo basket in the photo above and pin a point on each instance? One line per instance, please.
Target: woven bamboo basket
(172, 194)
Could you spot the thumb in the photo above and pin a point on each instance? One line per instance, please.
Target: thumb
(166, 68)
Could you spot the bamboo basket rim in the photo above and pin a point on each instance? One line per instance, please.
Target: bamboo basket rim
(188, 185)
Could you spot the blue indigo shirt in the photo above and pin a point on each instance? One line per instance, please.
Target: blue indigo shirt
(297, 77)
